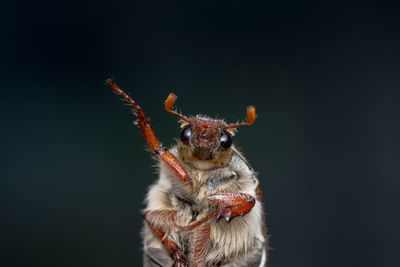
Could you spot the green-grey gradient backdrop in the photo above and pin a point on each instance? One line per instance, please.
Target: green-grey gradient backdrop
(324, 78)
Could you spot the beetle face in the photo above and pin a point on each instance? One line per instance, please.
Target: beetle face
(204, 137)
(204, 142)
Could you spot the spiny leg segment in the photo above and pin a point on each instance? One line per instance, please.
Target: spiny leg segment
(159, 221)
(143, 122)
(231, 205)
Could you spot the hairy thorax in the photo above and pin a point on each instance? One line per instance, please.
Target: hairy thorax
(236, 241)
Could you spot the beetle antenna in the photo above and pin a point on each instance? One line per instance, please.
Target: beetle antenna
(251, 117)
(169, 103)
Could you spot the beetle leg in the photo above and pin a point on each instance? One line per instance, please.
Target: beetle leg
(144, 123)
(232, 204)
(159, 221)
(200, 244)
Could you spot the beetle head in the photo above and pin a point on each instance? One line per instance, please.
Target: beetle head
(206, 142)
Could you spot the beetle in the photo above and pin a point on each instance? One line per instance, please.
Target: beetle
(205, 209)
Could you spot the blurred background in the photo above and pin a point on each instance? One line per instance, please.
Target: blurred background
(324, 78)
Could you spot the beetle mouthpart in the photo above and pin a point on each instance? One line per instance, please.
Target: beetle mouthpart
(203, 153)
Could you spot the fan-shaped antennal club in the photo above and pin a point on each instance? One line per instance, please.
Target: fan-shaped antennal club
(169, 103)
(251, 117)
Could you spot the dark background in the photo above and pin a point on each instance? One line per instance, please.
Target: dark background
(324, 78)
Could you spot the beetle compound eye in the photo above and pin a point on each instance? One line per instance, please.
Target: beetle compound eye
(226, 139)
(186, 133)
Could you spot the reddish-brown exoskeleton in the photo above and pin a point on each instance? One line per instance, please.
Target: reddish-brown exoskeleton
(201, 178)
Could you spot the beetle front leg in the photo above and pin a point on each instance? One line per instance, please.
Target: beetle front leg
(160, 221)
(144, 123)
(230, 205)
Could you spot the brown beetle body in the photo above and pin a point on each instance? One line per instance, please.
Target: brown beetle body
(205, 209)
